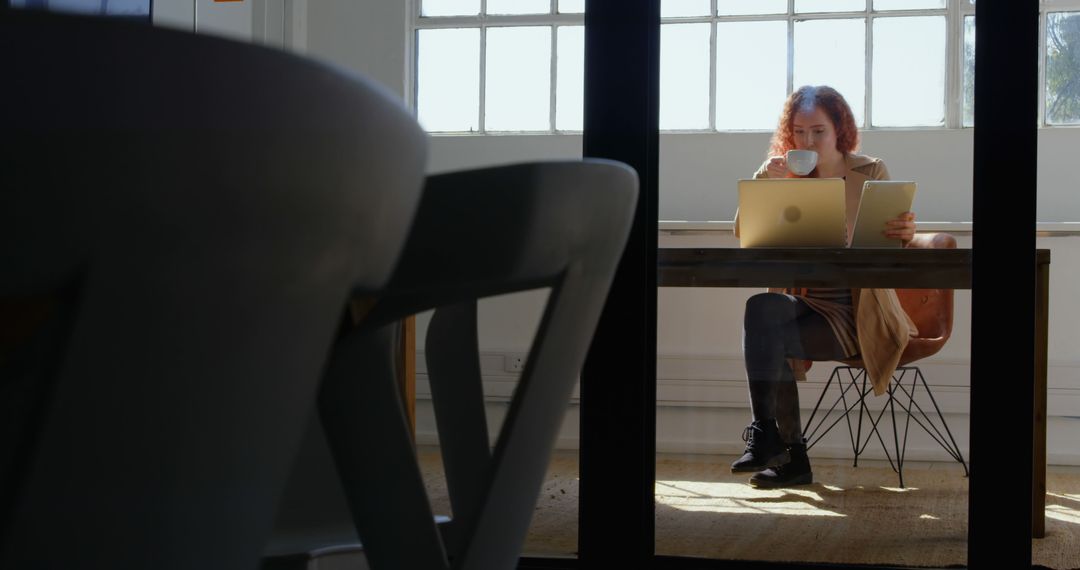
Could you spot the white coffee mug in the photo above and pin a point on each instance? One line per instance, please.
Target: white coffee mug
(801, 162)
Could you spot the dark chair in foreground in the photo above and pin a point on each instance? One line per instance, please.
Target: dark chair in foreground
(183, 219)
(479, 233)
(932, 312)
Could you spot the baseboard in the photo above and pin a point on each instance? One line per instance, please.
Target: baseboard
(702, 407)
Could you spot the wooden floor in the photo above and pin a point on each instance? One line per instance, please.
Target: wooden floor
(849, 515)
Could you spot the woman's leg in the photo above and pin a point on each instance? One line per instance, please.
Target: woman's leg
(817, 343)
(778, 327)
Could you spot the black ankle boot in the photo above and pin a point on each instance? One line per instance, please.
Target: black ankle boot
(795, 472)
(764, 448)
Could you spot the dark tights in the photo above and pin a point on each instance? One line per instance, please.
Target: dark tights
(777, 327)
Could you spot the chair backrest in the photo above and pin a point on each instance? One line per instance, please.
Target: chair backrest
(484, 232)
(930, 309)
(185, 217)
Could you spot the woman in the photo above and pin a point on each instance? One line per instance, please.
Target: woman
(783, 329)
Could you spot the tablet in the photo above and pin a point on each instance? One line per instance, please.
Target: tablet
(882, 200)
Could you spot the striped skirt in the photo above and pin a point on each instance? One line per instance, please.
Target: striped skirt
(835, 305)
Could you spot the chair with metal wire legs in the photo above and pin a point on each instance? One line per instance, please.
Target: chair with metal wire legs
(932, 312)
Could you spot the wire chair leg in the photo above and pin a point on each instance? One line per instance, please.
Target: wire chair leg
(896, 439)
(862, 409)
(955, 448)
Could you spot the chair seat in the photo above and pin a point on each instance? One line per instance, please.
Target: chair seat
(917, 349)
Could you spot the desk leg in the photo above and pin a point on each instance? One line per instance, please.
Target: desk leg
(1038, 488)
(408, 371)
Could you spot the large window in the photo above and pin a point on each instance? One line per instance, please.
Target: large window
(1061, 96)
(490, 66)
(512, 66)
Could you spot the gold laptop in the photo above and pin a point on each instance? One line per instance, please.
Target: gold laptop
(792, 212)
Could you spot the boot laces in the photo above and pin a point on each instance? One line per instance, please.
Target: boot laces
(754, 436)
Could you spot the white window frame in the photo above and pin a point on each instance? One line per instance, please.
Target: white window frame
(484, 21)
(954, 12)
(1047, 7)
(952, 111)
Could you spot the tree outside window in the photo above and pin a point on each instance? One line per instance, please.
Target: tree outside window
(1063, 68)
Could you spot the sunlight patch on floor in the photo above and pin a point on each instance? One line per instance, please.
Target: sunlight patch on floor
(1066, 496)
(699, 496)
(900, 490)
(1063, 514)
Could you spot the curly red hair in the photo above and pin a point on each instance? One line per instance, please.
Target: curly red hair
(823, 97)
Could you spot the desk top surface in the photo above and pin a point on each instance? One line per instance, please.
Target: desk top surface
(814, 267)
(1042, 229)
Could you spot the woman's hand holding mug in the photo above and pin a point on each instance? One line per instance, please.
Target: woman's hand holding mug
(777, 167)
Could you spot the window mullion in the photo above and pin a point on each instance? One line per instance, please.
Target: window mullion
(954, 58)
(553, 9)
(412, 67)
(482, 128)
(868, 71)
(553, 62)
(713, 61)
(1042, 68)
(791, 46)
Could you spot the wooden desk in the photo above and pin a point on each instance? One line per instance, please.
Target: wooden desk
(894, 268)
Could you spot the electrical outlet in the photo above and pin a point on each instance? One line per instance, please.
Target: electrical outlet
(514, 362)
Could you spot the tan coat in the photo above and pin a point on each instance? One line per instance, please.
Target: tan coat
(881, 325)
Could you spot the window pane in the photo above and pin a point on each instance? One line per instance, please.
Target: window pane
(449, 7)
(448, 79)
(751, 74)
(518, 6)
(908, 4)
(683, 8)
(745, 7)
(684, 76)
(829, 5)
(909, 72)
(518, 91)
(570, 79)
(1063, 68)
(820, 46)
(969, 71)
(571, 6)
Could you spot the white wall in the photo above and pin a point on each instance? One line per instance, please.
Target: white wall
(701, 393)
(362, 36)
(698, 171)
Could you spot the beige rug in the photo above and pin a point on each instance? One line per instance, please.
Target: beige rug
(849, 515)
